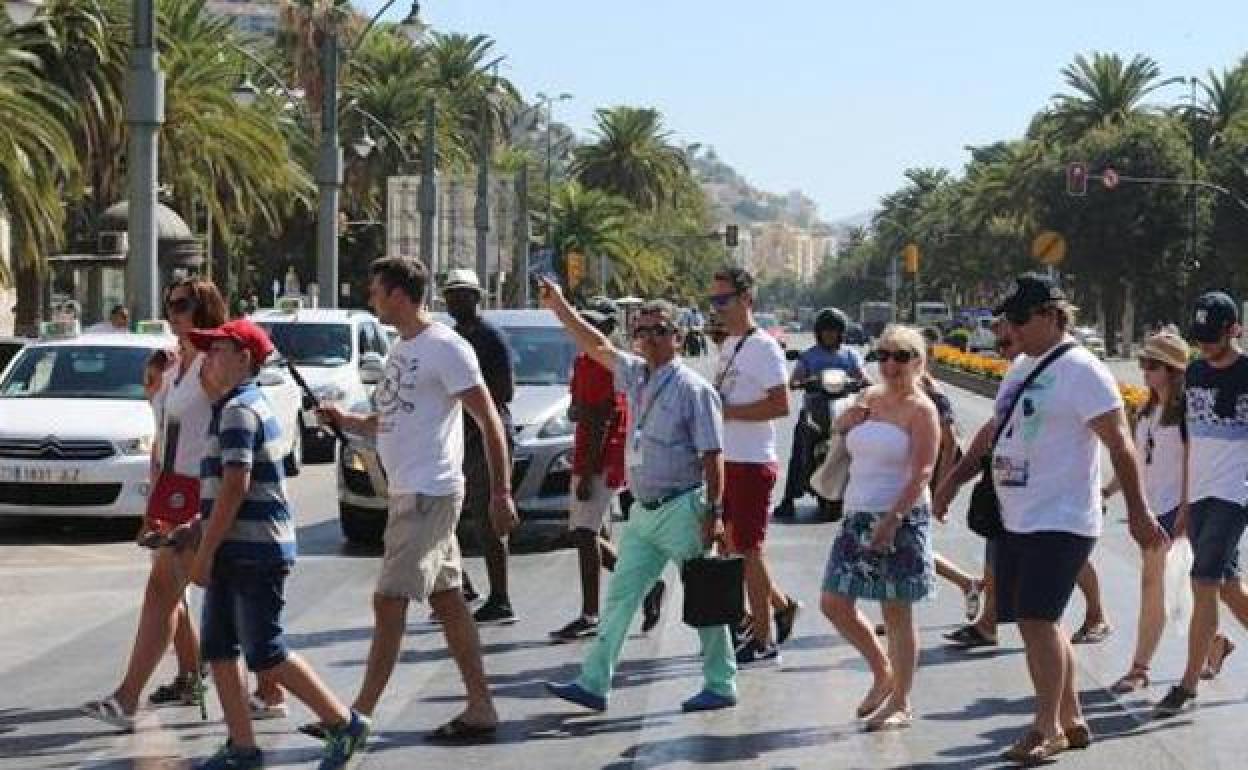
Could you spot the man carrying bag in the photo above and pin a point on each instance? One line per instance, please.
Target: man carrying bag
(676, 472)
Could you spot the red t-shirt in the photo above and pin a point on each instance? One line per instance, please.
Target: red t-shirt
(594, 385)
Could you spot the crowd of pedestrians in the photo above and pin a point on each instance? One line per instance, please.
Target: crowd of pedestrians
(698, 459)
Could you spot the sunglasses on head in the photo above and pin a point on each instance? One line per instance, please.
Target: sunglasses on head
(654, 330)
(722, 300)
(179, 304)
(900, 356)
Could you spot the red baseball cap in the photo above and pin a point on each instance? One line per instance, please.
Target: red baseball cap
(242, 332)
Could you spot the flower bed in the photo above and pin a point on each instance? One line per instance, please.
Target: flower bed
(992, 369)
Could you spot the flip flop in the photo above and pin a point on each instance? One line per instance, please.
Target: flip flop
(1094, 634)
(1218, 653)
(313, 730)
(458, 731)
(970, 637)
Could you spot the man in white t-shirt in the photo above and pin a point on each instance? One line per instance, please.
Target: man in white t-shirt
(1046, 471)
(430, 374)
(753, 386)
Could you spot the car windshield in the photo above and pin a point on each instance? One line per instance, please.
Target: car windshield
(541, 355)
(766, 321)
(311, 344)
(77, 371)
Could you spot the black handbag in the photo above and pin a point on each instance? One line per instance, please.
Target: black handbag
(714, 591)
(983, 515)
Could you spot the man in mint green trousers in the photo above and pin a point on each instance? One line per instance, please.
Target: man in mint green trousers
(676, 473)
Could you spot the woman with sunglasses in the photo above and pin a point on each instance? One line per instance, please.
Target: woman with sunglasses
(1162, 455)
(179, 400)
(884, 550)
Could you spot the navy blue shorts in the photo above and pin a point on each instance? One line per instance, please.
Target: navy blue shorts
(1036, 573)
(1215, 528)
(243, 612)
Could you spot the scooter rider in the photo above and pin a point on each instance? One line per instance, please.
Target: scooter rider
(828, 352)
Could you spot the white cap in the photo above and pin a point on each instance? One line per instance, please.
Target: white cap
(461, 278)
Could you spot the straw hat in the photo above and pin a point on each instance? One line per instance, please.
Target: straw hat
(1168, 348)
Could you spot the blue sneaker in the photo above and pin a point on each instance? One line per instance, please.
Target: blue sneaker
(708, 701)
(574, 693)
(342, 743)
(230, 758)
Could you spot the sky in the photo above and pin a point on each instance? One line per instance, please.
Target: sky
(832, 98)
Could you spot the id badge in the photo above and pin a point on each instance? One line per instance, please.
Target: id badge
(1010, 471)
(634, 453)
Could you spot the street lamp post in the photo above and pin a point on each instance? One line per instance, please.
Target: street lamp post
(144, 115)
(328, 177)
(550, 174)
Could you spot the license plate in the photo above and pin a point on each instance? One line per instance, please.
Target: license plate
(37, 475)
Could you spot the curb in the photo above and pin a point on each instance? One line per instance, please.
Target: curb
(978, 385)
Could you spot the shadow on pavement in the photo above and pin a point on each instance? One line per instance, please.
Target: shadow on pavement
(66, 530)
(711, 749)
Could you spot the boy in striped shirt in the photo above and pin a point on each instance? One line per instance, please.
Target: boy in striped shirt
(247, 551)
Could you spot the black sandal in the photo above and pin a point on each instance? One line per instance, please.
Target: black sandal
(970, 637)
(458, 731)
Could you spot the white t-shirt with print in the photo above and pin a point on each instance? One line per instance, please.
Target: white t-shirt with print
(1163, 476)
(1046, 466)
(745, 379)
(420, 435)
(182, 407)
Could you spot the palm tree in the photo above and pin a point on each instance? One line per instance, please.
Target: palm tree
(303, 28)
(461, 70)
(36, 160)
(1224, 100)
(1105, 92)
(633, 157)
(591, 222)
(231, 158)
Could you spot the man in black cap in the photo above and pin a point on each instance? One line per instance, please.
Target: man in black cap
(1217, 428)
(1054, 404)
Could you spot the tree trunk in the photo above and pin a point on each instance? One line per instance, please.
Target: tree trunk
(29, 313)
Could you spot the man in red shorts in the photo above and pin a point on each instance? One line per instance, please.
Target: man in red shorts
(752, 384)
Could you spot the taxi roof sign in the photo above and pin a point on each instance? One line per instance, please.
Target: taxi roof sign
(59, 330)
(289, 304)
(153, 326)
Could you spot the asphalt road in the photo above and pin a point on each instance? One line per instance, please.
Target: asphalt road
(69, 598)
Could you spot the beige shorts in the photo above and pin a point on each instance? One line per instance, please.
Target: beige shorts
(590, 514)
(421, 551)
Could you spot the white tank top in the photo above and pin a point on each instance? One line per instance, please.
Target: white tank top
(181, 401)
(879, 465)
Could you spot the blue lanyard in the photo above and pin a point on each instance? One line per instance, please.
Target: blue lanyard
(647, 407)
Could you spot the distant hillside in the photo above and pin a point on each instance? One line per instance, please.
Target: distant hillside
(734, 199)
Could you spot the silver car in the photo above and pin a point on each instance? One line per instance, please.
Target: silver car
(542, 354)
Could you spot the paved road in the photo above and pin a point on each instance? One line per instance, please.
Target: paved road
(69, 603)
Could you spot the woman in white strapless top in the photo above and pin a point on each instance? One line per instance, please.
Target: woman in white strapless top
(884, 549)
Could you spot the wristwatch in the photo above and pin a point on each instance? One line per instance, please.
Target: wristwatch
(716, 510)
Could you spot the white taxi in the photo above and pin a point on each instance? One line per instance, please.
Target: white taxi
(76, 430)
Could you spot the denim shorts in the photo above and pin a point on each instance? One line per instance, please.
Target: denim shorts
(1214, 528)
(1036, 573)
(243, 612)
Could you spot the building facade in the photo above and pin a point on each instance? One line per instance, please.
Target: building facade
(256, 17)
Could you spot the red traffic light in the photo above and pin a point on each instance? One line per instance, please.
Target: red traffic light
(1077, 178)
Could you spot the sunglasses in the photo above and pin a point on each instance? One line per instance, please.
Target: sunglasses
(722, 300)
(179, 304)
(1151, 364)
(900, 356)
(655, 330)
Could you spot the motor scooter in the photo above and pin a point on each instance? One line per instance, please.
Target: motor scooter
(827, 465)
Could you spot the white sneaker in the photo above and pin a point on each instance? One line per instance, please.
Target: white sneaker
(261, 710)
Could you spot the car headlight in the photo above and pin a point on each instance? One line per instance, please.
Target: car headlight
(557, 426)
(136, 446)
(329, 393)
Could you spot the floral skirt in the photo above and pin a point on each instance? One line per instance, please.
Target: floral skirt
(906, 573)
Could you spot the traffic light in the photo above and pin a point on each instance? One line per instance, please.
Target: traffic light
(731, 234)
(1077, 179)
(911, 256)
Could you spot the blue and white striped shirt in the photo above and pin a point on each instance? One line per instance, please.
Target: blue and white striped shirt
(245, 432)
